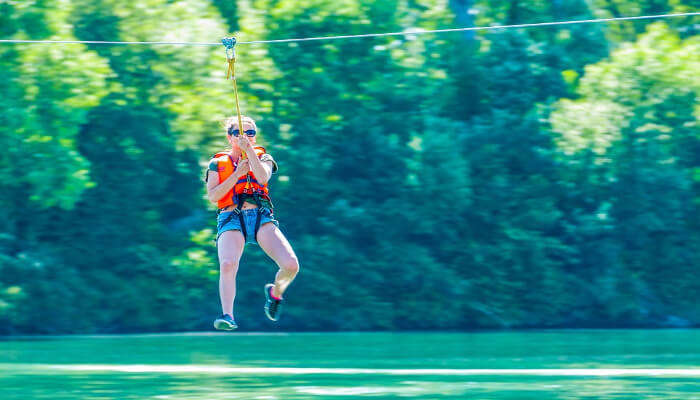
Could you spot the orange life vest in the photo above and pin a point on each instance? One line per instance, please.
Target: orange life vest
(247, 184)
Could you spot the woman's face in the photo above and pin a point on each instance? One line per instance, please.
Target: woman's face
(233, 140)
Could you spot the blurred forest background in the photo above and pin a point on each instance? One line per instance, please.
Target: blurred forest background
(544, 177)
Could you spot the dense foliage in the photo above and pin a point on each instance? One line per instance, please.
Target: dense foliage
(507, 178)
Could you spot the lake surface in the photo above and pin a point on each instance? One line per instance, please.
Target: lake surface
(538, 365)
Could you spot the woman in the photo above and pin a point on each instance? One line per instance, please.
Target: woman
(237, 183)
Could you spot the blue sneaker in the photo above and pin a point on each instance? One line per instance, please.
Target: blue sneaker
(272, 305)
(225, 323)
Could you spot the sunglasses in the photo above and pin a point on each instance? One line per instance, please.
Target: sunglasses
(236, 132)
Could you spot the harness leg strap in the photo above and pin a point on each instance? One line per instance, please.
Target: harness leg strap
(243, 230)
(258, 215)
(257, 223)
(239, 211)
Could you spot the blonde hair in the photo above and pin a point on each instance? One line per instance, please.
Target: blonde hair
(233, 121)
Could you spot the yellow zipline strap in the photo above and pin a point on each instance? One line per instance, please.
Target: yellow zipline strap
(229, 43)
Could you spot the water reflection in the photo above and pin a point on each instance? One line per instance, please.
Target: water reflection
(354, 365)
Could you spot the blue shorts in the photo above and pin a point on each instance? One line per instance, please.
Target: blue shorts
(233, 222)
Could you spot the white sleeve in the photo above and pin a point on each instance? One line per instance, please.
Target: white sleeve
(268, 157)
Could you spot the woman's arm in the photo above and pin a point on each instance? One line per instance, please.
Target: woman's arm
(261, 170)
(216, 190)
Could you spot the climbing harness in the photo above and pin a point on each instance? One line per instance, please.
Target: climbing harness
(245, 189)
(245, 185)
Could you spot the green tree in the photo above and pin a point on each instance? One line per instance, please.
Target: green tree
(631, 138)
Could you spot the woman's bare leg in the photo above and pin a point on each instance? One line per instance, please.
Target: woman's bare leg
(275, 245)
(230, 247)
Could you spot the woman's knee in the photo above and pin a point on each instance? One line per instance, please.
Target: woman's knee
(290, 265)
(228, 266)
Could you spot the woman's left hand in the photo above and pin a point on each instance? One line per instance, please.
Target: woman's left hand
(244, 143)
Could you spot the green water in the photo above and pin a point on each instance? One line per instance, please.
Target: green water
(351, 365)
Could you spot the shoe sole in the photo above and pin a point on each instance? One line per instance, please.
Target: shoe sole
(224, 326)
(268, 300)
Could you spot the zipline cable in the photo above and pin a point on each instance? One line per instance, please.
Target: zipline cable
(403, 33)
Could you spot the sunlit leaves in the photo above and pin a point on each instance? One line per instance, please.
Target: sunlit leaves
(53, 87)
(630, 90)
